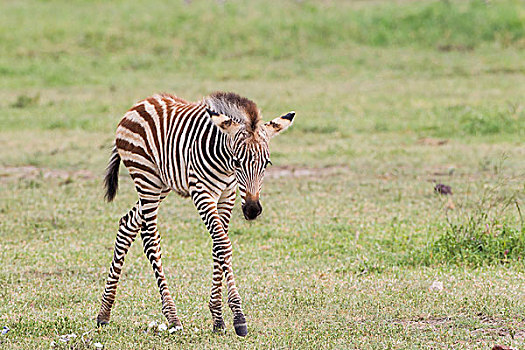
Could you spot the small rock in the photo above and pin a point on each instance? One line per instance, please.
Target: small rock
(98, 346)
(443, 189)
(436, 285)
(67, 337)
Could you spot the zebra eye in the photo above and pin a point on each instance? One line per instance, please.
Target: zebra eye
(268, 162)
(236, 163)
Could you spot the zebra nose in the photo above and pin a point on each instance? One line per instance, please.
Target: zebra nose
(251, 210)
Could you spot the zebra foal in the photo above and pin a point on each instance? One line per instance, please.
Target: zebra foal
(204, 150)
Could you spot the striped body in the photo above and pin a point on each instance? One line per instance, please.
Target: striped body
(204, 150)
(172, 140)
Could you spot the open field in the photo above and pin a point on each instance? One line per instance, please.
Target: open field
(392, 97)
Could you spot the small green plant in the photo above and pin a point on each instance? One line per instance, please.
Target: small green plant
(481, 232)
(24, 101)
(482, 122)
(478, 242)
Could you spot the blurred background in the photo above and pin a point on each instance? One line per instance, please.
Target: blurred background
(355, 249)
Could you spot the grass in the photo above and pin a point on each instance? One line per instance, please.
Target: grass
(391, 99)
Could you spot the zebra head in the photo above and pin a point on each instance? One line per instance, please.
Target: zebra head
(250, 155)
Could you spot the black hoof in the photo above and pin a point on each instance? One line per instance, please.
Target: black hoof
(239, 323)
(241, 329)
(102, 323)
(219, 327)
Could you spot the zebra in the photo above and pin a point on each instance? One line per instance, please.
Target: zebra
(204, 150)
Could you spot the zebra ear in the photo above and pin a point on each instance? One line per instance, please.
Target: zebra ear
(225, 123)
(277, 125)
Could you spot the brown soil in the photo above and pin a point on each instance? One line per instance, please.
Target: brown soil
(276, 172)
(30, 172)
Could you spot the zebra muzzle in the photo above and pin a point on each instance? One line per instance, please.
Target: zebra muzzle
(251, 209)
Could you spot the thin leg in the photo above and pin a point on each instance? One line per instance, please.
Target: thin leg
(129, 226)
(224, 208)
(151, 241)
(222, 261)
(215, 303)
(234, 299)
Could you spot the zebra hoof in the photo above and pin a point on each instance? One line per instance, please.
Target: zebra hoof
(102, 323)
(175, 327)
(219, 327)
(241, 329)
(239, 323)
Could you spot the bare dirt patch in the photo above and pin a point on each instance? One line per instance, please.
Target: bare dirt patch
(30, 172)
(276, 172)
(425, 322)
(429, 141)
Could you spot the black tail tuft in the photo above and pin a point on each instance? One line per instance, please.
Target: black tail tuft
(111, 178)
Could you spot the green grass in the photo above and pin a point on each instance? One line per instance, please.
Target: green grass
(391, 99)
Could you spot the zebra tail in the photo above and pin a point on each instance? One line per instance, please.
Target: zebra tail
(111, 178)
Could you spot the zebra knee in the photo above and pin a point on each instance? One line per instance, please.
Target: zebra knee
(131, 221)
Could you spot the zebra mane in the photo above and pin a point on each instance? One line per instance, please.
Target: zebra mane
(239, 108)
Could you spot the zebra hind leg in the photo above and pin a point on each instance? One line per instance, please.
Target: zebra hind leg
(151, 242)
(129, 226)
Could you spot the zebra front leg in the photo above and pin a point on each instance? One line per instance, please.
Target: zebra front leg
(222, 255)
(222, 264)
(129, 226)
(234, 299)
(151, 242)
(215, 303)
(224, 208)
